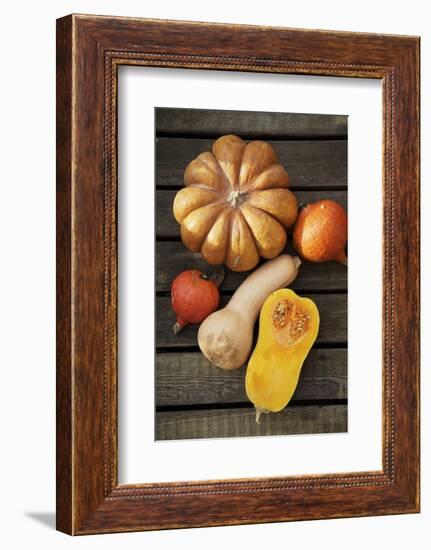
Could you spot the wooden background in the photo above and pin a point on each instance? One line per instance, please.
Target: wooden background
(195, 399)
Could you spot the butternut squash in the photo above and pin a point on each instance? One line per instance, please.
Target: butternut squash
(226, 336)
(288, 328)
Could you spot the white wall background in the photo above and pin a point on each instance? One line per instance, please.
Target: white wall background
(27, 280)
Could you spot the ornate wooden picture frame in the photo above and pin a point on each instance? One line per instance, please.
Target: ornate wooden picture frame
(89, 51)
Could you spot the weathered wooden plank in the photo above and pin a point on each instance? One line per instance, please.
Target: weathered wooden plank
(248, 123)
(190, 379)
(173, 257)
(309, 163)
(241, 422)
(167, 226)
(333, 321)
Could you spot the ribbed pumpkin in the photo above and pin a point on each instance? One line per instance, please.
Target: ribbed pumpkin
(236, 205)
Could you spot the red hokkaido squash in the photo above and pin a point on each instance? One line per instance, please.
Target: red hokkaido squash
(194, 296)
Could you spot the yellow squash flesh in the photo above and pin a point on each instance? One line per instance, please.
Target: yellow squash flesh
(288, 328)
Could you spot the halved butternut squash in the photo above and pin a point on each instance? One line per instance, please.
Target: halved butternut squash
(288, 329)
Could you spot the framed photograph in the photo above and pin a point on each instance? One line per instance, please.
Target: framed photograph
(237, 274)
(194, 399)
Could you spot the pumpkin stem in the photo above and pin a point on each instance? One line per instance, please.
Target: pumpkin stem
(217, 276)
(341, 257)
(235, 198)
(179, 325)
(297, 261)
(259, 411)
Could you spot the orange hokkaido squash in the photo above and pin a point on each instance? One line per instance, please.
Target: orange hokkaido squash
(236, 205)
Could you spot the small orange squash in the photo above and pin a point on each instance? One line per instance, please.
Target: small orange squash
(288, 328)
(194, 296)
(236, 205)
(320, 232)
